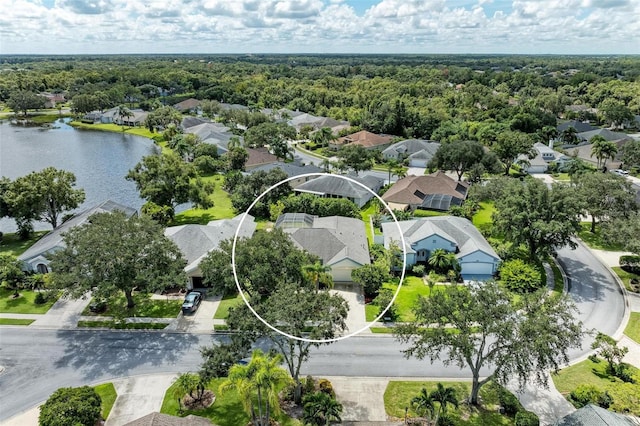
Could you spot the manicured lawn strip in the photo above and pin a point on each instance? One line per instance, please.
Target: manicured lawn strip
(220, 327)
(625, 395)
(594, 239)
(144, 307)
(15, 321)
(110, 127)
(227, 302)
(225, 411)
(558, 282)
(371, 311)
(123, 326)
(625, 276)
(22, 304)
(483, 215)
(222, 208)
(381, 330)
(412, 288)
(108, 396)
(13, 245)
(262, 224)
(367, 211)
(428, 213)
(562, 177)
(633, 327)
(398, 395)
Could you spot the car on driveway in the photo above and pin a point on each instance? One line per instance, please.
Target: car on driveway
(620, 172)
(192, 301)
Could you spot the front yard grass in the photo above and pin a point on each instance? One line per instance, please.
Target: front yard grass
(633, 327)
(558, 282)
(625, 395)
(108, 396)
(625, 277)
(12, 244)
(367, 211)
(398, 395)
(15, 321)
(483, 215)
(227, 409)
(111, 127)
(228, 301)
(222, 208)
(144, 307)
(594, 239)
(428, 213)
(412, 288)
(24, 304)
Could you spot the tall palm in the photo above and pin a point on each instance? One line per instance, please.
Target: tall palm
(548, 133)
(570, 135)
(391, 166)
(602, 149)
(326, 165)
(444, 396)
(123, 112)
(423, 404)
(234, 142)
(321, 409)
(439, 260)
(315, 272)
(322, 136)
(400, 171)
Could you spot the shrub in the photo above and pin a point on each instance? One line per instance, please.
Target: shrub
(520, 277)
(383, 300)
(527, 418)
(325, 386)
(589, 394)
(508, 401)
(40, 299)
(71, 406)
(623, 373)
(630, 263)
(309, 385)
(418, 270)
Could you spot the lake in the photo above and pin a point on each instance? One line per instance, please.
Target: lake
(100, 160)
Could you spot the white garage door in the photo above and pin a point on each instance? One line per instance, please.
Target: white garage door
(341, 274)
(417, 163)
(477, 268)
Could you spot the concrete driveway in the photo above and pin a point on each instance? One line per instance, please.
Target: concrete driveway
(201, 321)
(356, 319)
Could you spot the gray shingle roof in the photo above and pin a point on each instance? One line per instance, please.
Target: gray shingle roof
(332, 185)
(54, 239)
(578, 125)
(452, 228)
(413, 146)
(290, 169)
(195, 241)
(158, 419)
(332, 238)
(592, 415)
(605, 133)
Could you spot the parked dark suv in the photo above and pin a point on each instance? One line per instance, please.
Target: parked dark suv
(192, 301)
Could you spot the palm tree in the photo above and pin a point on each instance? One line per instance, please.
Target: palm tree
(569, 135)
(439, 260)
(123, 112)
(234, 142)
(400, 171)
(602, 149)
(326, 165)
(323, 136)
(548, 133)
(257, 384)
(391, 166)
(321, 409)
(315, 272)
(423, 404)
(444, 396)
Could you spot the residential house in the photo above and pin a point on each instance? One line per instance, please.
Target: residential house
(435, 191)
(338, 187)
(540, 163)
(418, 151)
(188, 106)
(340, 242)
(136, 119)
(365, 139)
(52, 99)
(292, 170)
(196, 241)
(259, 157)
(593, 415)
(580, 126)
(159, 419)
(210, 132)
(583, 150)
(35, 257)
(454, 234)
(605, 133)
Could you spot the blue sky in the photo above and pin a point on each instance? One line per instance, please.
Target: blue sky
(320, 26)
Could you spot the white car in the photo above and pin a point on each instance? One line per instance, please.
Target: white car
(620, 172)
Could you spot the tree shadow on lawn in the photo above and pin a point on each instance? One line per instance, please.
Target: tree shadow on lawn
(99, 355)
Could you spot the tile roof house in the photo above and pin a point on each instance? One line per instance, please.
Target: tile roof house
(340, 242)
(292, 170)
(454, 234)
(418, 151)
(337, 187)
(35, 257)
(592, 415)
(365, 139)
(196, 241)
(435, 191)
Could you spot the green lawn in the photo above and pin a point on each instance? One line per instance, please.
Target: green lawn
(48, 118)
(428, 213)
(367, 211)
(108, 396)
(144, 307)
(625, 395)
(226, 410)
(558, 283)
(412, 288)
(222, 208)
(594, 239)
(633, 327)
(227, 302)
(22, 304)
(483, 215)
(398, 395)
(13, 245)
(110, 127)
(122, 325)
(625, 276)
(15, 321)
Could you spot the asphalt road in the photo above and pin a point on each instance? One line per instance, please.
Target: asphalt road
(37, 362)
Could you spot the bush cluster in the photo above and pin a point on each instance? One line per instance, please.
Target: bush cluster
(630, 263)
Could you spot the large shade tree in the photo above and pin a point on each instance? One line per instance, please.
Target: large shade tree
(71, 406)
(114, 253)
(458, 156)
(509, 145)
(522, 339)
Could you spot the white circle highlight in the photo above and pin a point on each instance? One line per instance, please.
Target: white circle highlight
(303, 339)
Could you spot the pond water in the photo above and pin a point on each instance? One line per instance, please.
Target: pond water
(100, 160)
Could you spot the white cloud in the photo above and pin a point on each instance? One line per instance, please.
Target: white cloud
(501, 26)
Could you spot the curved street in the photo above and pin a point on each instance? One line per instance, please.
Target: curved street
(38, 361)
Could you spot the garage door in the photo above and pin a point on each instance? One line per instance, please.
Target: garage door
(477, 268)
(341, 274)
